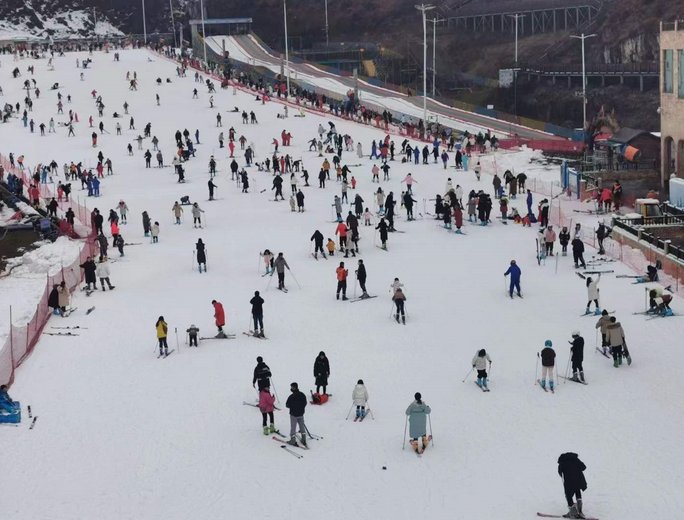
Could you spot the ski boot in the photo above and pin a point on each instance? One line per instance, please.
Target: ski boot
(581, 375)
(302, 439)
(479, 382)
(292, 441)
(551, 385)
(220, 335)
(629, 360)
(396, 317)
(587, 311)
(543, 383)
(344, 298)
(272, 428)
(579, 509)
(358, 413)
(266, 430)
(597, 311)
(572, 512)
(426, 441)
(403, 320)
(575, 378)
(616, 364)
(166, 352)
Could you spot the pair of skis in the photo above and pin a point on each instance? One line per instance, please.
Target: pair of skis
(484, 388)
(166, 354)
(546, 515)
(254, 335)
(544, 387)
(416, 446)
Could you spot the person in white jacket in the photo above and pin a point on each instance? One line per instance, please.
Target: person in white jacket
(480, 364)
(102, 272)
(593, 294)
(360, 398)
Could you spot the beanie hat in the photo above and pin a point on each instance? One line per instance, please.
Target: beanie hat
(259, 359)
(548, 343)
(575, 333)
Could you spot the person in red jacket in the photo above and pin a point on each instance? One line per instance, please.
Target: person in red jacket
(220, 317)
(342, 231)
(342, 274)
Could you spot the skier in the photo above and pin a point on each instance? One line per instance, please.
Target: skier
(162, 330)
(342, 230)
(359, 399)
(549, 239)
(548, 358)
(321, 371)
(480, 364)
(200, 255)
(602, 324)
(192, 332)
(102, 272)
(89, 269)
(257, 303)
(197, 215)
(146, 223)
(601, 234)
(515, 273)
(577, 357)
(578, 252)
(212, 186)
(220, 318)
(268, 261)
(280, 264)
(593, 294)
(417, 413)
(571, 470)
(564, 238)
(342, 274)
(53, 300)
(317, 239)
(616, 340)
(63, 297)
(155, 232)
(262, 375)
(266, 406)
(399, 298)
(296, 402)
(382, 227)
(177, 212)
(278, 186)
(361, 277)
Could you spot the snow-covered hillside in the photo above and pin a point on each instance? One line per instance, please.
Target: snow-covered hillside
(123, 434)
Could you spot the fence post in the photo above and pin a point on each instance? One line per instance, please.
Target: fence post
(11, 333)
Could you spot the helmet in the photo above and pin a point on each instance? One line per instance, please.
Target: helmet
(548, 343)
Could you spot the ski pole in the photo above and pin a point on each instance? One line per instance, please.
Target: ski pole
(567, 370)
(489, 375)
(356, 282)
(175, 329)
(295, 279)
(403, 445)
(371, 413)
(469, 372)
(536, 368)
(270, 279)
(274, 389)
(349, 412)
(432, 439)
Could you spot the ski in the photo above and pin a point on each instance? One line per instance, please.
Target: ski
(227, 336)
(580, 275)
(365, 414)
(250, 404)
(626, 276)
(598, 272)
(60, 333)
(266, 274)
(298, 455)
(315, 257)
(69, 312)
(352, 300)
(33, 422)
(251, 333)
(574, 380)
(167, 354)
(483, 388)
(543, 387)
(91, 309)
(546, 515)
(600, 351)
(383, 248)
(282, 289)
(282, 441)
(74, 327)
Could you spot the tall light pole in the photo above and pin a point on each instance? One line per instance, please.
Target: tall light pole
(434, 52)
(204, 32)
(327, 38)
(287, 52)
(584, 79)
(515, 68)
(424, 8)
(144, 23)
(173, 24)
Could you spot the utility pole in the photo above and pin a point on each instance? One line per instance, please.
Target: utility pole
(287, 52)
(584, 80)
(173, 24)
(204, 32)
(434, 52)
(424, 8)
(144, 23)
(327, 34)
(515, 68)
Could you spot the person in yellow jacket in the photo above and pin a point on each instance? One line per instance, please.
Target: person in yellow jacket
(162, 331)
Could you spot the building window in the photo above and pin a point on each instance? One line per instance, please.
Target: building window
(680, 87)
(668, 58)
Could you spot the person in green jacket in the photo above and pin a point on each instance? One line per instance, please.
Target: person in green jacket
(417, 413)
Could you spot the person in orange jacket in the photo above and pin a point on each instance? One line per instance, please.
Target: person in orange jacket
(342, 274)
(342, 230)
(220, 317)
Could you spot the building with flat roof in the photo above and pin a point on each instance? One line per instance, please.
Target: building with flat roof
(672, 100)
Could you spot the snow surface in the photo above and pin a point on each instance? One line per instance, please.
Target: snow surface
(60, 25)
(122, 434)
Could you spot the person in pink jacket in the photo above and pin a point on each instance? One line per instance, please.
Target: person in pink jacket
(267, 405)
(549, 239)
(409, 182)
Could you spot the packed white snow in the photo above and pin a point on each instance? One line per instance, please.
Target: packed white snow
(122, 434)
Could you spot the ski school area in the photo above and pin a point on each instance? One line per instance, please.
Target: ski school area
(118, 431)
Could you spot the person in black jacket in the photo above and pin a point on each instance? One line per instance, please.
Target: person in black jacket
(570, 469)
(548, 360)
(278, 187)
(296, 403)
(564, 238)
(578, 253)
(317, 239)
(201, 255)
(361, 277)
(262, 374)
(577, 357)
(258, 314)
(602, 233)
(53, 300)
(321, 371)
(389, 211)
(382, 227)
(89, 268)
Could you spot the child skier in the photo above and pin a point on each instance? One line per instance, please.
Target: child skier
(267, 405)
(548, 358)
(417, 413)
(330, 245)
(564, 238)
(577, 357)
(593, 294)
(480, 364)
(399, 298)
(360, 398)
(192, 335)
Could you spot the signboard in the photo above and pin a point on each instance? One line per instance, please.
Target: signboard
(506, 78)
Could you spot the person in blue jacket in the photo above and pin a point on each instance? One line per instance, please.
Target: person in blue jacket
(529, 202)
(515, 273)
